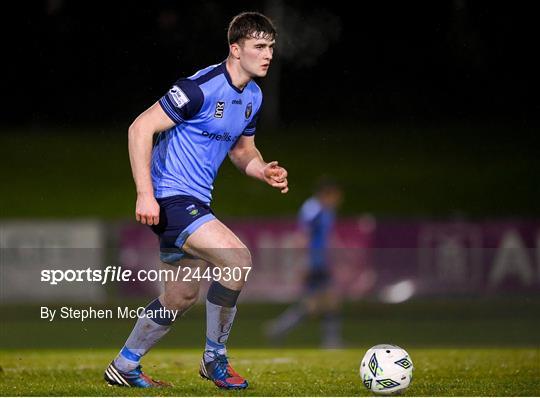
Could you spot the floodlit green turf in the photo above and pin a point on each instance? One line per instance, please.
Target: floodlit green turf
(299, 372)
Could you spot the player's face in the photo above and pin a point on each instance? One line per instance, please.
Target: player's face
(256, 56)
(331, 198)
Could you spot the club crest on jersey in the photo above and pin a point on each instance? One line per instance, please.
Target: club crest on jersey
(220, 108)
(249, 109)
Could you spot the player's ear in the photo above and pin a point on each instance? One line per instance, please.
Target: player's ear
(234, 49)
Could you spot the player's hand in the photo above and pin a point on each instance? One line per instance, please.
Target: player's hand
(276, 176)
(147, 209)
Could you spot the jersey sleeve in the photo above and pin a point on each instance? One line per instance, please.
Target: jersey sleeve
(308, 214)
(251, 128)
(183, 101)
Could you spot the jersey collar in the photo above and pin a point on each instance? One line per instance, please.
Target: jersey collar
(229, 80)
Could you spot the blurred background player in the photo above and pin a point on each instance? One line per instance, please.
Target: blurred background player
(320, 297)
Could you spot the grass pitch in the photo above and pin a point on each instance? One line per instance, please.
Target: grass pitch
(273, 372)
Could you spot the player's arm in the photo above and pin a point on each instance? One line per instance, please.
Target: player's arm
(140, 135)
(247, 158)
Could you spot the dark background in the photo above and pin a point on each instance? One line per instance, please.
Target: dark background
(416, 61)
(418, 108)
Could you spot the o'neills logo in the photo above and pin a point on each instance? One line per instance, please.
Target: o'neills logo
(219, 137)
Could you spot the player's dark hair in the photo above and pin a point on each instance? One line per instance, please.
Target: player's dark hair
(249, 25)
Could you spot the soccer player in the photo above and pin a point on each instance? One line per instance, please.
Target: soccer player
(200, 120)
(316, 220)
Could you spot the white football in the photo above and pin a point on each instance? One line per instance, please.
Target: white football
(386, 369)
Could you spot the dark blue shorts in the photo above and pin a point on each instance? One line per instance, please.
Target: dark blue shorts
(179, 217)
(318, 279)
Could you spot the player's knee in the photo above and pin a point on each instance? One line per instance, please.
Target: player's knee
(241, 266)
(242, 257)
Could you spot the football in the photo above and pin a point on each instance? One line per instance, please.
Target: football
(386, 369)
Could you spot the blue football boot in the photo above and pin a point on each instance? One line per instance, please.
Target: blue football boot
(134, 378)
(220, 371)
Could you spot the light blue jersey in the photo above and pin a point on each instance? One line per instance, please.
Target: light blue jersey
(210, 115)
(318, 222)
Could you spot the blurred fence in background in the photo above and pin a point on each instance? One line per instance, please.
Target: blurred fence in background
(389, 260)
